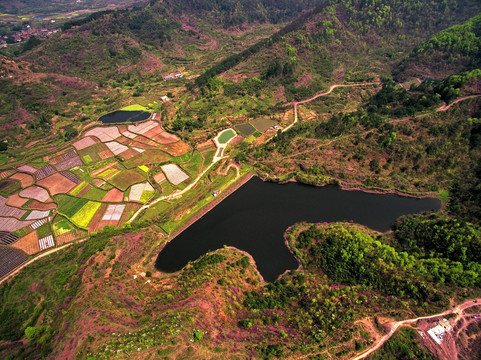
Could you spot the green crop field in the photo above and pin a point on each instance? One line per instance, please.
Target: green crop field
(95, 194)
(245, 129)
(61, 227)
(146, 196)
(126, 178)
(146, 158)
(87, 159)
(83, 217)
(44, 230)
(226, 136)
(69, 205)
(9, 187)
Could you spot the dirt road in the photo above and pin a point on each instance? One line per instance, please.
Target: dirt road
(396, 325)
(446, 106)
(296, 104)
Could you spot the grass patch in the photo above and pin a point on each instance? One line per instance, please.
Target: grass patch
(257, 134)
(443, 195)
(83, 217)
(195, 164)
(182, 159)
(69, 205)
(4, 158)
(127, 178)
(22, 232)
(44, 230)
(146, 158)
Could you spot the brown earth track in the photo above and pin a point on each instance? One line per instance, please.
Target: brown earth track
(94, 224)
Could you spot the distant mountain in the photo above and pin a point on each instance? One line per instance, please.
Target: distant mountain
(45, 7)
(455, 49)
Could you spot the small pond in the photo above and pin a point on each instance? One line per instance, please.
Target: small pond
(121, 116)
(255, 217)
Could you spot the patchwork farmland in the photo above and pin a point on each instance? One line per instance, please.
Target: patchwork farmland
(100, 178)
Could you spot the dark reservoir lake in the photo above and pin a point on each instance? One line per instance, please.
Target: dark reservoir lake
(124, 116)
(255, 217)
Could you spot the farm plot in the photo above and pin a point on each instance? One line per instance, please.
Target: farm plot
(263, 124)
(36, 193)
(71, 177)
(245, 129)
(10, 259)
(28, 243)
(25, 179)
(113, 212)
(114, 195)
(62, 227)
(70, 163)
(128, 134)
(127, 178)
(147, 157)
(57, 184)
(94, 223)
(37, 214)
(161, 136)
(174, 174)
(46, 242)
(12, 224)
(70, 236)
(84, 143)
(68, 205)
(96, 152)
(128, 154)
(104, 133)
(6, 210)
(16, 201)
(142, 143)
(159, 177)
(83, 217)
(44, 172)
(115, 147)
(6, 238)
(5, 174)
(27, 169)
(95, 194)
(141, 192)
(176, 149)
(143, 127)
(9, 187)
(37, 205)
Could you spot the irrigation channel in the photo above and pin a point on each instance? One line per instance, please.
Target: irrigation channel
(255, 217)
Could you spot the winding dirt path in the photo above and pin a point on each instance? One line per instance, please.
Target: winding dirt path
(297, 103)
(458, 310)
(447, 107)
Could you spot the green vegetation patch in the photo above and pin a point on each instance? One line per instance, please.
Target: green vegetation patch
(95, 194)
(135, 107)
(87, 159)
(146, 196)
(61, 227)
(263, 124)
(69, 205)
(83, 217)
(9, 187)
(76, 190)
(146, 158)
(44, 230)
(245, 129)
(257, 134)
(404, 344)
(127, 178)
(226, 136)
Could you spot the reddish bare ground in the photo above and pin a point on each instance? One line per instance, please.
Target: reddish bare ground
(128, 154)
(57, 184)
(236, 140)
(70, 236)
(114, 195)
(37, 205)
(25, 179)
(176, 149)
(16, 201)
(206, 144)
(84, 190)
